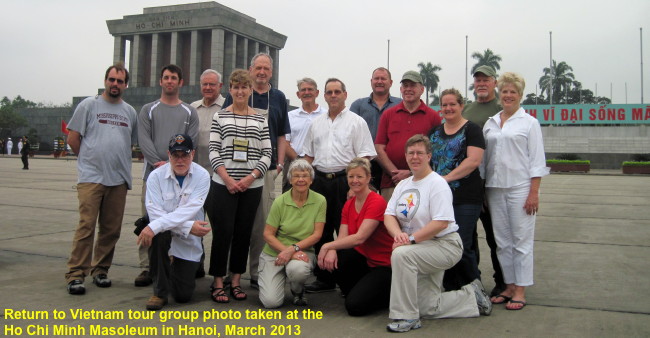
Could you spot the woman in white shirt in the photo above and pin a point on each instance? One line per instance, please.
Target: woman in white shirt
(420, 218)
(513, 166)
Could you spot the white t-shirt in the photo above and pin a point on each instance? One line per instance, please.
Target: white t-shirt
(416, 203)
(300, 121)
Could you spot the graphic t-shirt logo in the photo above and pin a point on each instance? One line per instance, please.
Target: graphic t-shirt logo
(408, 203)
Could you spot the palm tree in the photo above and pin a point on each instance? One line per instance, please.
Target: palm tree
(488, 58)
(429, 76)
(562, 79)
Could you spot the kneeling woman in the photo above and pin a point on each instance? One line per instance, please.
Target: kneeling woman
(360, 255)
(420, 217)
(295, 223)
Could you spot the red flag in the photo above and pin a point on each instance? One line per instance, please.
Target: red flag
(64, 127)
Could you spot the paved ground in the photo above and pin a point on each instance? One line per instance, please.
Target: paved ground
(592, 270)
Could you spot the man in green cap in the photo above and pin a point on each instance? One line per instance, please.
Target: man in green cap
(396, 125)
(486, 105)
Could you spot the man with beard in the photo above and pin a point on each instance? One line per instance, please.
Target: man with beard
(371, 108)
(102, 131)
(158, 121)
(486, 105)
(272, 104)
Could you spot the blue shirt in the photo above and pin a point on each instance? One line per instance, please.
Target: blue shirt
(369, 111)
(278, 118)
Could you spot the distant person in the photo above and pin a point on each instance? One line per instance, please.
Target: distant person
(294, 225)
(514, 164)
(158, 121)
(272, 104)
(102, 131)
(397, 124)
(333, 140)
(2, 147)
(300, 120)
(10, 146)
(360, 255)
(371, 109)
(20, 146)
(458, 147)
(420, 218)
(24, 152)
(211, 103)
(479, 111)
(176, 192)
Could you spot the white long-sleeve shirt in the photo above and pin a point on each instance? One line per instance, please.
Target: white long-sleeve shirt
(515, 153)
(175, 208)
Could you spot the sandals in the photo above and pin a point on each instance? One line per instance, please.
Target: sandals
(236, 292)
(505, 299)
(216, 293)
(522, 302)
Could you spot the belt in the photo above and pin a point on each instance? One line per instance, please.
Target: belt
(330, 176)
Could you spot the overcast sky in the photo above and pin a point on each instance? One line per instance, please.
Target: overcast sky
(54, 50)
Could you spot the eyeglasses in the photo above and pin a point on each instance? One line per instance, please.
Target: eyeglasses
(180, 155)
(415, 153)
(112, 79)
(301, 177)
(332, 92)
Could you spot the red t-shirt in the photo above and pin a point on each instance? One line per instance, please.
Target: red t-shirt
(378, 247)
(396, 126)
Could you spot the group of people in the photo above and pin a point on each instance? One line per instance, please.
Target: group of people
(23, 149)
(381, 198)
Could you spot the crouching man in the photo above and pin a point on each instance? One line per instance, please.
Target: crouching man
(176, 192)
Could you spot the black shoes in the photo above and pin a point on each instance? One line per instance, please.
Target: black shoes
(102, 280)
(143, 279)
(76, 287)
(318, 286)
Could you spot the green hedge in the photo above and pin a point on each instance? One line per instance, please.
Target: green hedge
(568, 162)
(635, 164)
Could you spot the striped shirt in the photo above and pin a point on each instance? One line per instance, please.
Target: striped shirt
(226, 127)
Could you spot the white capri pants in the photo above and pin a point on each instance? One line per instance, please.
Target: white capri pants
(514, 232)
(272, 278)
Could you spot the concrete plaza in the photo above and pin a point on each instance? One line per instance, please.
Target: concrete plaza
(592, 272)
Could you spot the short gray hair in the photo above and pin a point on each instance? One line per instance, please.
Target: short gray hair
(300, 165)
(210, 71)
(307, 80)
(261, 54)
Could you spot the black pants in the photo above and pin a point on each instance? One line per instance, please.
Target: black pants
(25, 161)
(335, 191)
(366, 289)
(486, 220)
(376, 172)
(175, 275)
(466, 270)
(232, 217)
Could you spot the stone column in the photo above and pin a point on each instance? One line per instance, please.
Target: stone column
(119, 49)
(217, 51)
(230, 52)
(242, 52)
(156, 58)
(253, 49)
(137, 61)
(275, 55)
(195, 58)
(175, 53)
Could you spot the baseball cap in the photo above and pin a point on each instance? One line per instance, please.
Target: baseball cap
(487, 70)
(412, 75)
(181, 142)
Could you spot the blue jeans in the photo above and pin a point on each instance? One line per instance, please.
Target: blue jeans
(466, 270)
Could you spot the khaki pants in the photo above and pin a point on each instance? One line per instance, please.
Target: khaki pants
(257, 236)
(416, 284)
(103, 203)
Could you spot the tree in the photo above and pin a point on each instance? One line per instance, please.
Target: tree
(488, 58)
(562, 79)
(429, 76)
(10, 120)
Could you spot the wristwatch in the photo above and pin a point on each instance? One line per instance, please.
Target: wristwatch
(254, 176)
(295, 247)
(412, 239)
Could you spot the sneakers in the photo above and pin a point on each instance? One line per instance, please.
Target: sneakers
(76, 287)
(102, 280)
(143, 279)
(318, 286)
(404, 325)
(482, 299)
(299, 299)
(156, 303)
